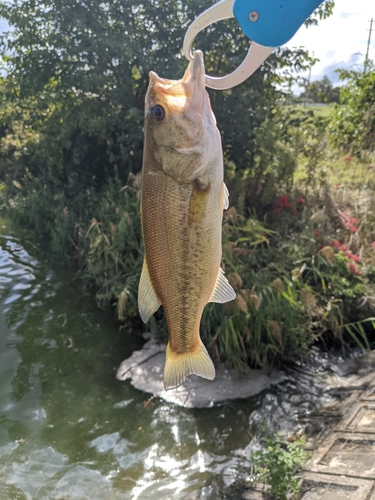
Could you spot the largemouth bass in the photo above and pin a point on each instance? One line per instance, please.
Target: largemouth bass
(183, 197)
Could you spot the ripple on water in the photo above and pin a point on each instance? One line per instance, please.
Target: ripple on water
(25, 273)
(12, 298)
(21, 286)
(5, 279)
(81, 483)
(32, 475)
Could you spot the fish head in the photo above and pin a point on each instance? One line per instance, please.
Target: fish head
(180, 123)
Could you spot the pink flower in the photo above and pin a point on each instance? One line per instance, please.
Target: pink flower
(343, 248)
(352, 268)
(348, 158)
(301, 200)
(316, 232)
(335, 243)
(373, 244)
(353, 256)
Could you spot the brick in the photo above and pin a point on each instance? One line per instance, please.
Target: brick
(360, 419)
(328, 487)
(345, 454)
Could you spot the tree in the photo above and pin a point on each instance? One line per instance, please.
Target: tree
(76, 77)
(321, 91)
(352, 126)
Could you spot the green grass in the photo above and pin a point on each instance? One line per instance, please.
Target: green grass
(319, 111)
(341, 171)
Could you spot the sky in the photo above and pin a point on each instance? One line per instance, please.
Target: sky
(339, 41)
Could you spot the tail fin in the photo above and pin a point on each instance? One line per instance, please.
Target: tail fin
(179, 366)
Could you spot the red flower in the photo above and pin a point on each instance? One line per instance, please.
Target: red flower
(301, 200)
(352, 228)
(343, 248)
(335, 243)
(353, 256)
(354, 221)
(277, 211)
(284, 202)
(316, 232)
(348, 158)
(352, 268)
(373, 244)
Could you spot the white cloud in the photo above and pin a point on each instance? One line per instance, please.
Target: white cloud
(341, 40)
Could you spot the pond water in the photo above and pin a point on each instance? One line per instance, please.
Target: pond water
(70, 430)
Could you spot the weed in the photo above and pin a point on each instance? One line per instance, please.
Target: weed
(276, 465)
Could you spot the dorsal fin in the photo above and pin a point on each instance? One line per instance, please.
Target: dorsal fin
(148, 303)
(223, 292)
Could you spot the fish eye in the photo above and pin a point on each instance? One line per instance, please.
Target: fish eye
(157, 112)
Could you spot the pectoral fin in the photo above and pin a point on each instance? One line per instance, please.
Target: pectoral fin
(226, 196)
(223, 292)
(148, 303)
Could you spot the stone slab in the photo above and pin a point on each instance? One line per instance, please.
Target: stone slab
(346, 454)
(372, 497)
(361, 419)
(145, 369)
(328, 487)
(356, 382)
(369, 394)
(248, 494)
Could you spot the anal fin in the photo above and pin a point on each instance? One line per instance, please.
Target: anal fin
(179, 366)
(223, 292)
(148, 303)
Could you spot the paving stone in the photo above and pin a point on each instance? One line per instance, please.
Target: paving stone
(369, 394)
(253, 495)
(351, 382)
(345, 454)
(328, 487)
(372, 497)
(361, 418)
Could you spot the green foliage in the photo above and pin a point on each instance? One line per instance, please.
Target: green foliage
(278, 463)
(352, 126)
(76, 74)
(113, 250)
(324, 10)
(267, 322)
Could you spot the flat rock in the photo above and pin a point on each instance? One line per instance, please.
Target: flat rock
(362, 365)
(145, 368)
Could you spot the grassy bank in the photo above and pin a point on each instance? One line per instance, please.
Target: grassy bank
(303, 273)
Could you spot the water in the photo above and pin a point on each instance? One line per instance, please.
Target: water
(69, 430)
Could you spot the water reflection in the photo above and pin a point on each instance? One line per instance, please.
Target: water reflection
(69, 429)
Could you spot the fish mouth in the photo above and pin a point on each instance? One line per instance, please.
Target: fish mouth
(195, 70)
(192, 84)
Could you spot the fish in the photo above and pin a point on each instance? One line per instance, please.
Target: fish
(182, 202)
